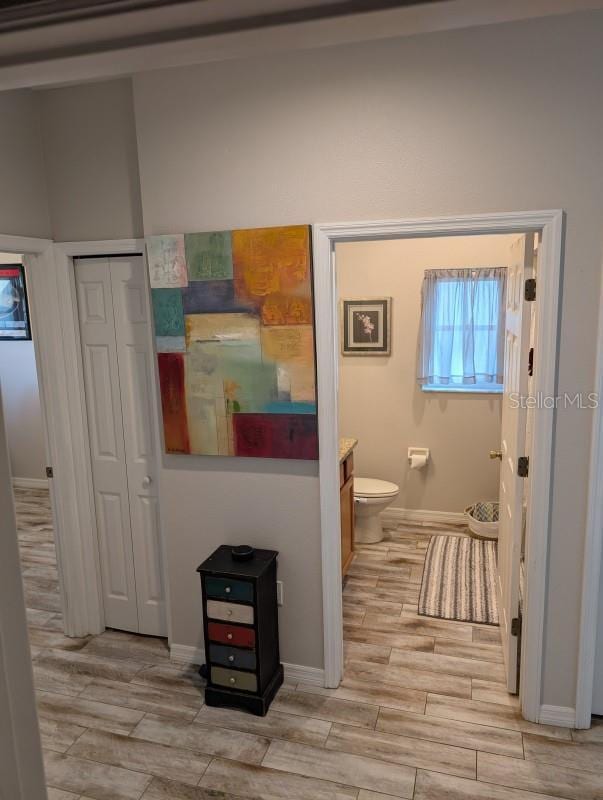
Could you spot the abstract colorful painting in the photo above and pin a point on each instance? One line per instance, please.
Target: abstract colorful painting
(234, 332)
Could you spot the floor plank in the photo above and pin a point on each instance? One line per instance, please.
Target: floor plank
(326, 708)
(461, 734)
(97, 781)
(535, 777)
(403, 750)
(494, 714)
(435, 786)
(135, 754)
(262, 782)
(206, 739)
(164, 702)
(276, 724)
(354, 770)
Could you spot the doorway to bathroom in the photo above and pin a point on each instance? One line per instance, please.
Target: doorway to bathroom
(424, 325)
(427, 447)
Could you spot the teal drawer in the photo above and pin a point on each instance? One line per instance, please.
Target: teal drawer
(232, 656)
(225, 589)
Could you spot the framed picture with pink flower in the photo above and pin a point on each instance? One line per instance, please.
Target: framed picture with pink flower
(366, 327)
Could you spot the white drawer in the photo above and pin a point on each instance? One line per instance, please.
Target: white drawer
(231, 612)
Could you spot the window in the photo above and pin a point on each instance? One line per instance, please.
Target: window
(462, 330)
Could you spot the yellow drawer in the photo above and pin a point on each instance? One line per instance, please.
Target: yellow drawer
(247, 681)
(231, 612)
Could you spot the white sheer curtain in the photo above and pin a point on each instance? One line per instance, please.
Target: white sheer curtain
(462, 327)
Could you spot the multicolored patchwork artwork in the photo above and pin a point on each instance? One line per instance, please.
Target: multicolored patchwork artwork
(234, 332)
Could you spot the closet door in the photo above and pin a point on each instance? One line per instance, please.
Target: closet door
(136, 378)
(106, 431)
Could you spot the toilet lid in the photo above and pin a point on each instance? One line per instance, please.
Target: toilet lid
(371, 487)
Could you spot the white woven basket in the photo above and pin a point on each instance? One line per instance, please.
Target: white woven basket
(482, 518)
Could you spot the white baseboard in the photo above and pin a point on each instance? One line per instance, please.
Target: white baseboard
(30, 483)
(295, 673)
(563, 716)
(423, 516)
(185, 654)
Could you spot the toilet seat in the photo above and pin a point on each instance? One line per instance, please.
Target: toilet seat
(373, 487)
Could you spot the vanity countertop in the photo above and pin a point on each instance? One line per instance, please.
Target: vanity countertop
(346, 445)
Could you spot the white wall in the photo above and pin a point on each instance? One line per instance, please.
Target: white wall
(380, 401)
(502, 118)
(19, 381)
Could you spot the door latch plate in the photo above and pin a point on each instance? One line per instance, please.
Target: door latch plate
(523, 466)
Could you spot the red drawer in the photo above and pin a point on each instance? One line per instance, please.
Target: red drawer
(231, 634)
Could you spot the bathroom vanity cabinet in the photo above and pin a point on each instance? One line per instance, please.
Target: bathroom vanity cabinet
(346, 497)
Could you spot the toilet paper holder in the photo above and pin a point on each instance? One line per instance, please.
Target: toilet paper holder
(418, 457)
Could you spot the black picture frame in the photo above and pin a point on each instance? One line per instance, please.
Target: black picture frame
(15, 323)
(366, 327)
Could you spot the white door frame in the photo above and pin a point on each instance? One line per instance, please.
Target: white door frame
(52, 369)
(593, 551)
(79, 555)
(326, 236)
(55, 318)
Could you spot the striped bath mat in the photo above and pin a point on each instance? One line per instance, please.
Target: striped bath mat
(459, 580)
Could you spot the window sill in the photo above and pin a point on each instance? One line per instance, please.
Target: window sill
(466, 389)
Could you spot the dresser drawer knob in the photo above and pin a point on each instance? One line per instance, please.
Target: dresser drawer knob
(229, 635)
(232, 680)
(231, 659)
(227, 590)
(229, 612)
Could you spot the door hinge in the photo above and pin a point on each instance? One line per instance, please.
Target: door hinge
(516, 626)
(49, 472)
(523, 466)
(530, 289)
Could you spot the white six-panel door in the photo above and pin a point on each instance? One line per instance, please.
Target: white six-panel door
(513, 434)
(118, 375)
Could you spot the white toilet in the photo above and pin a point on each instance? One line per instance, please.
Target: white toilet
(371, 496)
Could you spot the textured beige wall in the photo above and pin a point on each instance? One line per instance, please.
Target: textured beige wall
(21, 770)
(89, 142)
(501, 118)
(23, 198)
(380, 402)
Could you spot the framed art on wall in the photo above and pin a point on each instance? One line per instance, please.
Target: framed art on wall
(366, 327)
(234, 333)
(14, 309)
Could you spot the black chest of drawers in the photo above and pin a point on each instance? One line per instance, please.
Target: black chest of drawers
(240, 629)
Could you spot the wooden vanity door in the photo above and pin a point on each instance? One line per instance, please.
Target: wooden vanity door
(346, 495)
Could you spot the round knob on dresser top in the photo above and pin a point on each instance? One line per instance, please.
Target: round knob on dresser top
(229, 635)
(242, 552)
(231, 659)
(232, 680)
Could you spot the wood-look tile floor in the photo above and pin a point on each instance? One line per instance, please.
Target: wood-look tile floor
(421, 713)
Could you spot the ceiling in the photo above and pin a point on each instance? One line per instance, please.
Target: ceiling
(52, 42)
(27, 14)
